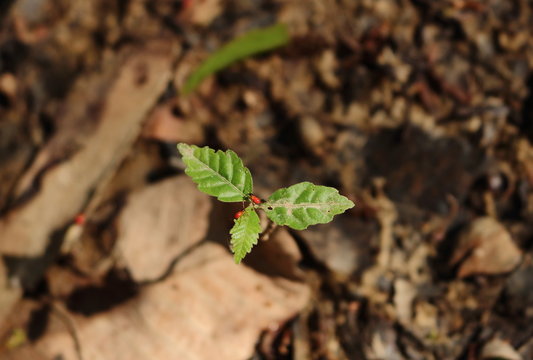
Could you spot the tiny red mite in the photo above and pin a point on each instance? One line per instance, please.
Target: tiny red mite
(238, 214)
(80, 219)
(255, 199)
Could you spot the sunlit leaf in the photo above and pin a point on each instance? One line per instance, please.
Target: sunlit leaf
(244, 234)
(304, 204)
(221, 174)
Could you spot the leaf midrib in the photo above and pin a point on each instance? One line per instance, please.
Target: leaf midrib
(206, 166)
(301, 205)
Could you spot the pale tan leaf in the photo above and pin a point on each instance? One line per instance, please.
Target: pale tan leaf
(485, 247)
(119, 108)
(499, 349)
(209, 308)
(158, 223)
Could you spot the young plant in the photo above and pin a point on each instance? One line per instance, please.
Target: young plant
(223, 175)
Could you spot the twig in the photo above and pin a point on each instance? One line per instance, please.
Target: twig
(65, 318)
(265, 235)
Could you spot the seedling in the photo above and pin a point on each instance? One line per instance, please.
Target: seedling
(223, 175)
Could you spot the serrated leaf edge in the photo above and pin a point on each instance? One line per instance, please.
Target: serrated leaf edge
(247, 230)
(269, 205)
(188, 150)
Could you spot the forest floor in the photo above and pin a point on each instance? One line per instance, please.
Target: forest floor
(419, 111)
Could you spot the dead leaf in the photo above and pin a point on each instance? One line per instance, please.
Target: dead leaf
(65, 187)
(209, 308)
(163, 125)
(203, 12)
(486, 247)
(336, 246)
(499, 349)
(160, 222)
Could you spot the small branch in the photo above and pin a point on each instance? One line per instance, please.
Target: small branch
(71, 328)
(271, 227)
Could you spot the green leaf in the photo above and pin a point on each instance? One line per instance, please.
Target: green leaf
(219, 174)
(253, 42)
(244, 234)
(304, 204)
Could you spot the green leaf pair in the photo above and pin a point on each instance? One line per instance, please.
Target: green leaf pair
(223, 175)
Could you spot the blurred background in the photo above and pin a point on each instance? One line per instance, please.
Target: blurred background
(419, 111)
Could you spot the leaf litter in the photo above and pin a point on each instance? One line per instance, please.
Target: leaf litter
(419, 111)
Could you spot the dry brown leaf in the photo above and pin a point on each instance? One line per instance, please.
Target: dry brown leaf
(336, 246)
(163, 125)
(203, 12)
(487, 248)
(160, 222)
(135, 89)
(499, 349)
(209, 308)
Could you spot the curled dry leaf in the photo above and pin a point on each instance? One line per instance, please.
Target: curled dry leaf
(499, 349)
(485, 247)
(164, 125)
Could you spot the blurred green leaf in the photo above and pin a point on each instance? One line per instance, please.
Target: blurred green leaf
(17, 338)
(251, 43)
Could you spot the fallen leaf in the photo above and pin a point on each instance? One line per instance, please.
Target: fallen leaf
(499, 349)
(485, 247)
(143, 76)
(209, 308)
(163, 125)
(203, 12)
(159, 222)
(335, 245)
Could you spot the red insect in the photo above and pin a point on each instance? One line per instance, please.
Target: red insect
(80, 219)
(255, 199)
(186, 4)
(238, 214)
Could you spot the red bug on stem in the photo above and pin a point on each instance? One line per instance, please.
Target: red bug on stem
(80, 219)
(238, 214)
(255, 199)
